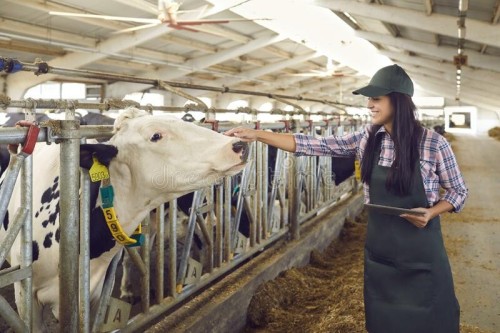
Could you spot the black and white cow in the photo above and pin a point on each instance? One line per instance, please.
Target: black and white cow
(151, 160)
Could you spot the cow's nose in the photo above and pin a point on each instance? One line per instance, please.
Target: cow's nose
(241, 147)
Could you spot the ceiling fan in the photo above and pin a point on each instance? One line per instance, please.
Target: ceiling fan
(167, 14)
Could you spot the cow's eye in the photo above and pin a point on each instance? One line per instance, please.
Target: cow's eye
(156, 137)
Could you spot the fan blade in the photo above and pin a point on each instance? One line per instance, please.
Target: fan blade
(181, 27)
(107, 17)
(140, 27)
(212, 21)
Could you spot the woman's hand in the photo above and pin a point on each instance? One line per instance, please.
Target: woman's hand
(243, 133)
(419, 221)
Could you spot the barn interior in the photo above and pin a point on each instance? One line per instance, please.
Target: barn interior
(259, 61)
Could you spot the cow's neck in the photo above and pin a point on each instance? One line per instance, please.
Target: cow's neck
(132, 201)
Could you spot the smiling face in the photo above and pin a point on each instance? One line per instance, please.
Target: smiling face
(382, 111)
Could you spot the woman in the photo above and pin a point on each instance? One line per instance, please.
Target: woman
(408, 285)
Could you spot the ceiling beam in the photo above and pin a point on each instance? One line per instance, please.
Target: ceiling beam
(18, 83)
(496, 13)
(473, 95)
(477, 31)
(270, 68)
(432, 85)
(193, 65)
(481, 90)
(13, 45)
(256, 73)
(475, 59)
(428, 7)
(140, 5)
(480, 75)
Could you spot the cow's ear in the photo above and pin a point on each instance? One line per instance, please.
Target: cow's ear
(125, 115)
(103, 152)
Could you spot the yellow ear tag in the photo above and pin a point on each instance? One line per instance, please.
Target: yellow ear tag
(357, 170)
(98, 171)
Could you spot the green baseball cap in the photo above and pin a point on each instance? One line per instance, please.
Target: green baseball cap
(386, 80)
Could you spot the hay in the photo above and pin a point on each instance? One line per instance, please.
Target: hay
(324, 296)
(449, 137)
(494, 133)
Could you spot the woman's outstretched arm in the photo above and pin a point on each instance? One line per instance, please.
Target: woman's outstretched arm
(285, 141)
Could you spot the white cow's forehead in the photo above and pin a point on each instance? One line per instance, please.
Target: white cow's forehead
(154, 121)
(162, 117)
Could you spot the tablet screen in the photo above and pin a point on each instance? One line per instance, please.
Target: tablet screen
(392, 210)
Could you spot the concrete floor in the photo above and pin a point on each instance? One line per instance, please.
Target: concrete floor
(476, 232)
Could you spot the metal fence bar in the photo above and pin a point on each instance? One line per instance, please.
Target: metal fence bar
(26, 285)
(198, 195)
(84, 252)
(219, 222)
(69, 226)
(160, 249)
(254, 201)
(293, 195)
(258, 192)
(228, 253)
(172, 248)
(9, 182)
(12, 318)
(264, 194)
(107, 288)
(14, 226)
(145, 281)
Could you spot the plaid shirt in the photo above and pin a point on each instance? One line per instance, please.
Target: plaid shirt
(438, 165)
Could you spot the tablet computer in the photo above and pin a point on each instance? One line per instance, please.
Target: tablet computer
(392, 210)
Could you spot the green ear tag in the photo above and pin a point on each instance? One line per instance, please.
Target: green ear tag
(139, 238)
(107, 196)
(98, 171)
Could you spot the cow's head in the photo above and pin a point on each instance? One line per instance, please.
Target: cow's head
(164, 156)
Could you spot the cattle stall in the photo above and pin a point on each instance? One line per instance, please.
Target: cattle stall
(234, 220)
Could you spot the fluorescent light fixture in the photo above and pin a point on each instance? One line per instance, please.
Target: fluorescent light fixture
(461, 32)
(463, 5)
(350, 17)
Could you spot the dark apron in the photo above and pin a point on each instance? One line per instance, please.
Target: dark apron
(408, 286)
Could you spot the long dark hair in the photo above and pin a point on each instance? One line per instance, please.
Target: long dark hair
(406, 134)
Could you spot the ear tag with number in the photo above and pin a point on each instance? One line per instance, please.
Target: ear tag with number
(98, 171)
(357, 170)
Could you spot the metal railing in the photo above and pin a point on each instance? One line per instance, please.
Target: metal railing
(298, 181)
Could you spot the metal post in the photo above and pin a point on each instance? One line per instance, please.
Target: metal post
(69, 226)
(85, 252)
(293, 193)
(258, 193)
(27, 239)
(160, 249)
(265, 189)
(172, 247)
(219, 222)
(227, 219)
(145, 281)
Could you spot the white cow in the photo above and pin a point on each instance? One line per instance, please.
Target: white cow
(151, 160)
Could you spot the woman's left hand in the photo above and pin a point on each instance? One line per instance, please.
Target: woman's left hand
(420, 221)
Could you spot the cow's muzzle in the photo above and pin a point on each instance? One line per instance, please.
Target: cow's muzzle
(241, 148)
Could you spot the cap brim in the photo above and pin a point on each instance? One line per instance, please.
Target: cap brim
(372, 91)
